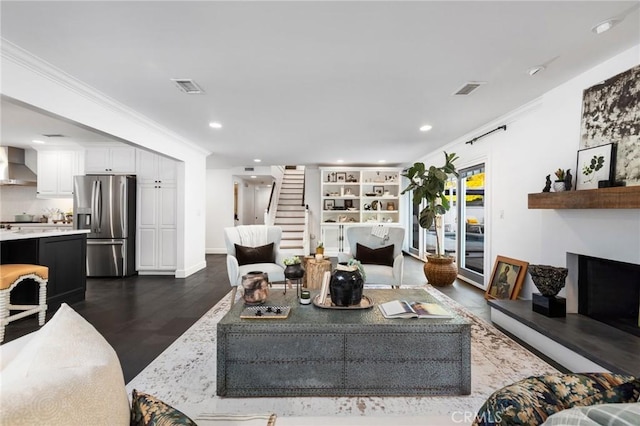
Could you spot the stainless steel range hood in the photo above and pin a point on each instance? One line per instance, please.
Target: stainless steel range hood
(13, 171)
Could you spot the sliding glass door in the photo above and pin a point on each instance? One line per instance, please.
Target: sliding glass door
(471, 223)
(463, 225)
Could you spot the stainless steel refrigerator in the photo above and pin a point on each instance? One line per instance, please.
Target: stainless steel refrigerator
(106, 205)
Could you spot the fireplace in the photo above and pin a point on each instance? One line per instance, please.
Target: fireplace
(609, 291)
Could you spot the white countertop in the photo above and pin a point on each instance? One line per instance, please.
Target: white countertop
(29, 232)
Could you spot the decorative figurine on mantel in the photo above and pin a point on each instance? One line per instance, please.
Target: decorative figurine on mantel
(547, 187)
(549, 280)
(567, 180)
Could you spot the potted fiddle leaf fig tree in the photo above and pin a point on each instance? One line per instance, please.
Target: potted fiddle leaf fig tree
(428, 184)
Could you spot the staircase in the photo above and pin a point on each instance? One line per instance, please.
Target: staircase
(290, 211)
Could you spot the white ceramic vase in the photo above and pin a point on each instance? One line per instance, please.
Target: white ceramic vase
(558, 186)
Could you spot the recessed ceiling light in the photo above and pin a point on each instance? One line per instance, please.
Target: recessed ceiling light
(253, 177)
(257, 160)
(605, 25)
(535, 70)
(382, 161)
(339, 161)
(37, 141)
(426, 128)
(215, 125)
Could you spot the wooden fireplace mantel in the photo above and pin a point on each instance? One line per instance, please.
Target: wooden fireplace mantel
(620, 197)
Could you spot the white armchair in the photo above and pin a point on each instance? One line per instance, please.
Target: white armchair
(377, 274)
(252, 236)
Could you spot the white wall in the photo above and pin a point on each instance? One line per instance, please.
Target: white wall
(312, 199)
(219, 199)
(540, 138)
(34, 82)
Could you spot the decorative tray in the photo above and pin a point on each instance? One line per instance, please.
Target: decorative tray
(265, 312)
(365, 303)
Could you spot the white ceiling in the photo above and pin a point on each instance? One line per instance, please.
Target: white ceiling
(314, 82)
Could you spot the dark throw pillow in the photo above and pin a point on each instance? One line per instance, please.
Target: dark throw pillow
(380, 256)
(249, 255)
(147, 410)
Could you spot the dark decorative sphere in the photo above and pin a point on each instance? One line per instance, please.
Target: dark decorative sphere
(548, 279)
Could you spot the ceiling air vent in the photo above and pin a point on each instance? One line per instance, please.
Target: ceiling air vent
(469, 87)
(53, 135)
(249, 169)
(188, 86)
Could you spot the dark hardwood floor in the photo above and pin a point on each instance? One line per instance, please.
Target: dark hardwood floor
(140, 316)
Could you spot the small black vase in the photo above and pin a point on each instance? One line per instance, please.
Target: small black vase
(346, 287)
(294, 272)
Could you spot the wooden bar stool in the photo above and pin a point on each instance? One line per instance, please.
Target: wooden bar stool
(10, 276)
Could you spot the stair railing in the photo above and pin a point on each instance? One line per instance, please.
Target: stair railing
(306, 241)
(277, 172)
(304, 185)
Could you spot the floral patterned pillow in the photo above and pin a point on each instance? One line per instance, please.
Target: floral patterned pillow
(147, 410)
(530, 401)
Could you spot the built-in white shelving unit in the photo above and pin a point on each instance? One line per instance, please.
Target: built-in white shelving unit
(352, 196)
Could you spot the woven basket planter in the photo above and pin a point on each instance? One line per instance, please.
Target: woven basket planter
(440, 271)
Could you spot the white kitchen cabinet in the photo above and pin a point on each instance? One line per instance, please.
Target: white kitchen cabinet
(56, 169)
(156, 237)
(153, 168)
(110, 159)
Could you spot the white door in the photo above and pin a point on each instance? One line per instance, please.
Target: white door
(66, 170)
(147, 243)
(167, 253)
(261, 197)
(167, 205)
(147, 204)
(47, 172)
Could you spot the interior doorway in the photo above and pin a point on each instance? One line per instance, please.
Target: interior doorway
(251, 199)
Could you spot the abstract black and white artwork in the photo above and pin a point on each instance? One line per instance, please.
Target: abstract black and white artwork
(611, 114)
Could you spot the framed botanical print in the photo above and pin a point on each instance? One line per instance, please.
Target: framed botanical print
(594, 165)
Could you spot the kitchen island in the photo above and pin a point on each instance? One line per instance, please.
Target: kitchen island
(63, 251)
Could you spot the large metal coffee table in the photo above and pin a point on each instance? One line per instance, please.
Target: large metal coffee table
(326, 352)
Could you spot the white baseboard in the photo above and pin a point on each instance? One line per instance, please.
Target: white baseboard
(215, 251)
(184, 273)
(564, 356)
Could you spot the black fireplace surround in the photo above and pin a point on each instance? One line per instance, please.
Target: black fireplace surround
(609, 291)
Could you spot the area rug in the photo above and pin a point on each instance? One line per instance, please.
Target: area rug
(184, 375)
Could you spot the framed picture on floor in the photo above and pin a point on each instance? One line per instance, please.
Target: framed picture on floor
(595, 164)
(506, 279)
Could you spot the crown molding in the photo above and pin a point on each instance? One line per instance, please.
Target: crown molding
(23, 58)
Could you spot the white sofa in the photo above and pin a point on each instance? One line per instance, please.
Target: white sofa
(66, 373)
